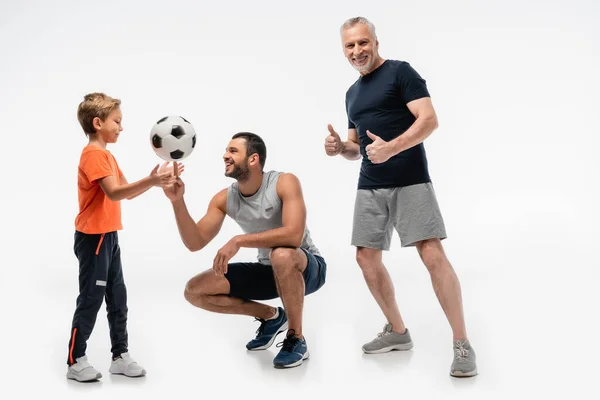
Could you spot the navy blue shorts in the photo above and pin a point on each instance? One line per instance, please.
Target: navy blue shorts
(255, 281)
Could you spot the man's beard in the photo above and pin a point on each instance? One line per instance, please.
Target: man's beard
(240, 172)
(364, 68)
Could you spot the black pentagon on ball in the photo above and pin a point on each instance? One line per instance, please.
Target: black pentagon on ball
(161, 120)
(156, 141)
(177, 131)
(176, 155)
(193, 141)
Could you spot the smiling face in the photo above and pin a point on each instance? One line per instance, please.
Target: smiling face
(237, 163)
(361, 48)
(111, 127)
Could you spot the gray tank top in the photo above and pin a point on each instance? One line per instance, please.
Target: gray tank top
(262, 212)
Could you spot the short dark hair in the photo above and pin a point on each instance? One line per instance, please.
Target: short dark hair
(254, 144)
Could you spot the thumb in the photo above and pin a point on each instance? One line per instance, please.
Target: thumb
(332, 131)
(372, 136)
(155, 169)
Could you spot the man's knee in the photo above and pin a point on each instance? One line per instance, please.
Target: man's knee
(205, 284)
(432, 254)
(189, 295)
(367, 258)
(192, 290)
(286, 259)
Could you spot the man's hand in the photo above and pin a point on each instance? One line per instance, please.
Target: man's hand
(223, 256)
(175, 191)
(333, 142)
(379, 151)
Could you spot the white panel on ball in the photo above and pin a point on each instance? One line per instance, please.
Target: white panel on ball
(173, 138)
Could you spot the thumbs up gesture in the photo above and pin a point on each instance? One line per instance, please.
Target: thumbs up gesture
(333, 142)
(379, 151)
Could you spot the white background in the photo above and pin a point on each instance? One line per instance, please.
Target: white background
(515, 85)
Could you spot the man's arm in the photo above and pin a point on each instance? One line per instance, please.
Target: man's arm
(196, 236)
(426, 122)
(291, 233)
(351, 147)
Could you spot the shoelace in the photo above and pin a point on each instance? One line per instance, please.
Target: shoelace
(289, 343)
(460, 353)
(384, 333)
(261, 328)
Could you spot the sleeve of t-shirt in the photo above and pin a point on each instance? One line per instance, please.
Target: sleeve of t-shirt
(412, 86)
(118, 168)
(95, 165)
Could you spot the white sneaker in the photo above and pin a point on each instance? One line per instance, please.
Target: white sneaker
(82, 371)
(125, 365)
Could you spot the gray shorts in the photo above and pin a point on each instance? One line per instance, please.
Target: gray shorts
(412, 210)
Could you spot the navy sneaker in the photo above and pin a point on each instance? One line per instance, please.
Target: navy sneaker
(268, 331)
(293, 352)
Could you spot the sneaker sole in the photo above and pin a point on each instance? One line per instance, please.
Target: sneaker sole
(84, 379)
(282, 329)
(401, 347)
(297, 363)
(128, 375)
(460, 374)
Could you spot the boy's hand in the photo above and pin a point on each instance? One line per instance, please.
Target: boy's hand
(176, 169)
(175, 191)
(162, 177)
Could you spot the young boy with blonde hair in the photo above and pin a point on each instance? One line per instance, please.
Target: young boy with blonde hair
(101, 187)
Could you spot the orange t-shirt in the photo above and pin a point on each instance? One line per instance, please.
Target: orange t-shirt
(97, 213)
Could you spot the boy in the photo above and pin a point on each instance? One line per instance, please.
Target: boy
(101, 187)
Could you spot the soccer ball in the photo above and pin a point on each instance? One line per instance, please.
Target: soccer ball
(173, 138)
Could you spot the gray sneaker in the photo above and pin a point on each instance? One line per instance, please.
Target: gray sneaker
(464, 364)
(125, 365)
(388, 340)
(82, 371)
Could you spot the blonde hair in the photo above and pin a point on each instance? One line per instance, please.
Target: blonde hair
(95, 105)
(358, 20)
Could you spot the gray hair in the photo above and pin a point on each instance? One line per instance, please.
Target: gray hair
(359, 20)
